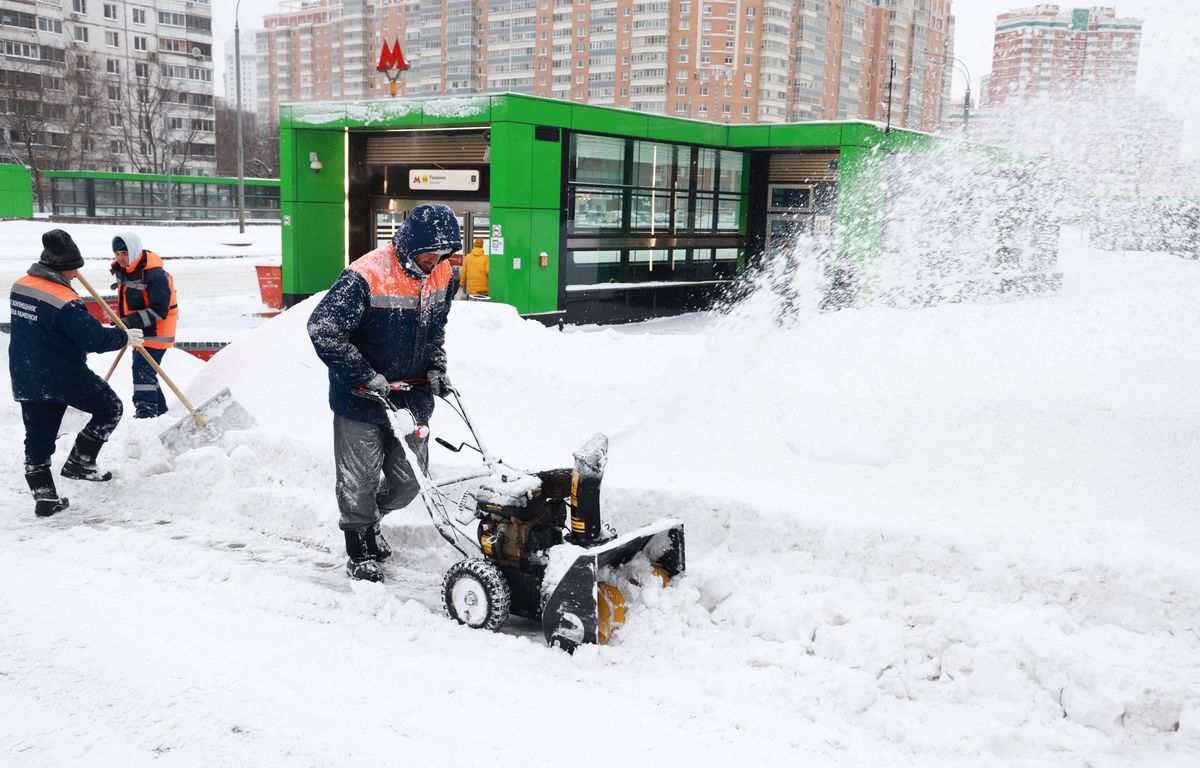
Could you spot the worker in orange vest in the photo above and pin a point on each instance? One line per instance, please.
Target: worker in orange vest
(145, 299)
(50, 337)
(475, 270)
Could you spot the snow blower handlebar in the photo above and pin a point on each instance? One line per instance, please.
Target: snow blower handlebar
(403, 426)
(492, 462)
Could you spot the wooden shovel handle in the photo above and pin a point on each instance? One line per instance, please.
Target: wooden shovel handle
(113, 367)
(149, 359)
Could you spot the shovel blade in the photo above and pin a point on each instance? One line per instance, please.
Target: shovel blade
(221, 414)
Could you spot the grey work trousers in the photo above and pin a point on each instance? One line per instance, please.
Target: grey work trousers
(360, 451)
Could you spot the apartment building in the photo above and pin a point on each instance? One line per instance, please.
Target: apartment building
(725, 60)
(317, 50)
(107, 85)
(249, 67)
(1044, 50)
(919, 38)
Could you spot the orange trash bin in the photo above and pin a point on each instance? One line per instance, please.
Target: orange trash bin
(270, 286)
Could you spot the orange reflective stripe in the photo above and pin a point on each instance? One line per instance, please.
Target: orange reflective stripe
(390, 287)
(41, 289)
(165, 328)
(383, 274)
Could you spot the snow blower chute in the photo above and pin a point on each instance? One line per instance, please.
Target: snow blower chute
(535, 543)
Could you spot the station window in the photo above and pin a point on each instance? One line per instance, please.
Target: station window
(634, 186)
(630, 191)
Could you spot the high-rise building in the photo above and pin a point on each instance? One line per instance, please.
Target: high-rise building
(726, 60)
(919, 38)
(249, 67)
(317, 50)
(107, 85)
(1045, 51)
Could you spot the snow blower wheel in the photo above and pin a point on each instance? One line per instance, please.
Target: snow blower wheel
(476, 594)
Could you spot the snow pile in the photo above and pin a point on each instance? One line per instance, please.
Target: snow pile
(22, 241)
(960, 535)
(386, 110)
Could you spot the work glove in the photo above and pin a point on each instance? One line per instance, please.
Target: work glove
(439, 382)
(378, 384)
(134, 337)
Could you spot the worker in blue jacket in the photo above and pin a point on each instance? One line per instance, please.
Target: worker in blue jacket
(52, 332)
(384, 321)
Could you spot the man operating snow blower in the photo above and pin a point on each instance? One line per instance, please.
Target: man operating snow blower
(384, 322)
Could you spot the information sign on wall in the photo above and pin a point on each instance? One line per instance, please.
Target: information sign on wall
(462, 181)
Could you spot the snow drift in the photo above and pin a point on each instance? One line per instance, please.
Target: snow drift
(963, 535)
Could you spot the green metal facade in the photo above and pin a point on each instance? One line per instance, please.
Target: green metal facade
(16, 192)
(527, 176)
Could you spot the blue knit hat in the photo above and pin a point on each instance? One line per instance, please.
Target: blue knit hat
(428, 229)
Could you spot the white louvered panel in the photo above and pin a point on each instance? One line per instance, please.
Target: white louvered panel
(804, 166)
(420, 148)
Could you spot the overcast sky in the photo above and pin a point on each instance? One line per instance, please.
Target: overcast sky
(1169, 70)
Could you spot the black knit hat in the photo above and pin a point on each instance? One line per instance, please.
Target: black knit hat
(60, 252)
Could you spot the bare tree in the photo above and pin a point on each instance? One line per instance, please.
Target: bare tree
(266, 148)
(49, 117)
(154, 136)
(260, 143)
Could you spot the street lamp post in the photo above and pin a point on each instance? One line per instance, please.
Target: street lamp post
(167, 156)
(237, 74)
(966, 97)
(955, 61)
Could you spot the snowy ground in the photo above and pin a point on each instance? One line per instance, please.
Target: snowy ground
(957, 536)
(213, 267)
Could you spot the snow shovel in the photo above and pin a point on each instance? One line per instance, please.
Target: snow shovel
(215, 416)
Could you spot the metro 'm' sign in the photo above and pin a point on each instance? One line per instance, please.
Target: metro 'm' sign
(391, 58)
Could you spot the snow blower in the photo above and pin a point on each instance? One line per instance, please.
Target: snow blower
(534, 542)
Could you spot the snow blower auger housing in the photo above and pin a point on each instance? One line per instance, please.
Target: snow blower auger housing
(536, 545)
(544, 535)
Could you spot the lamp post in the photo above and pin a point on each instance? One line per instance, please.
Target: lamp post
(967, 97)
(237, 74)
(954, 60)
(167, 155)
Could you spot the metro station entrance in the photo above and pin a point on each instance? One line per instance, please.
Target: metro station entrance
(473, 218)
(394, 171)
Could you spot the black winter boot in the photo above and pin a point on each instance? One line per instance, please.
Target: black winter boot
(81, 464)
(361, 564)
(377, 546)
(46, 500)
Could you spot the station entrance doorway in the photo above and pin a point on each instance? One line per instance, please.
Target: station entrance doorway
(473, 218)
(394, 171)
